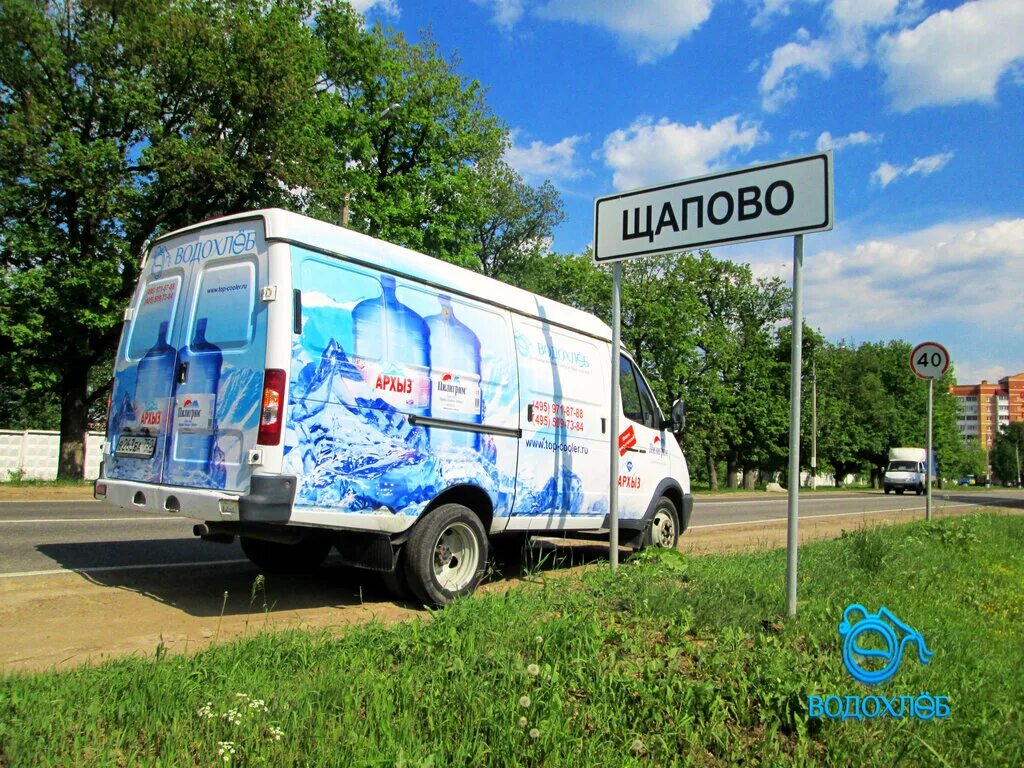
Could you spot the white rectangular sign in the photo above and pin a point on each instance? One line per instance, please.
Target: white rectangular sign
(790, 197)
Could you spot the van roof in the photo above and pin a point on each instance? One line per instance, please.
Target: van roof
(330, 238)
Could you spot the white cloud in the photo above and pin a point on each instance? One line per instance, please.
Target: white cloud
(539, 161)
(766, 9)
(778, 83)
(954, 56)
(387, 7)
(648, 152)
(967, 275)
(648, 29)
(886, 173)
(827, 141)
(851, 28)
(505, 13)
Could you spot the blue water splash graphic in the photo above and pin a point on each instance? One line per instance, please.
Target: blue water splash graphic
(357, 453)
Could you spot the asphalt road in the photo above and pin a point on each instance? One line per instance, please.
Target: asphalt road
(40, 538)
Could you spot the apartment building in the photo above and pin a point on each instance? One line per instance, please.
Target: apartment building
(984, 407)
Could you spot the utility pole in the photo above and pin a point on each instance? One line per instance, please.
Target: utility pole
(1016, 452)
(814, 426)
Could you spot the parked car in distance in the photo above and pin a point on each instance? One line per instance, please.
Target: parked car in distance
(968, 480)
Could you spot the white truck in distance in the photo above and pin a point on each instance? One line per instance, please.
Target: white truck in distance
(907, 471)
(301, 386)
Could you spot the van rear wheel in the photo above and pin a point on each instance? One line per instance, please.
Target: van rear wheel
(303, 556)
(446, 555)
(664, 530)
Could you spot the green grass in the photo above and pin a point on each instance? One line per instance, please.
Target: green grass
(15, 479)
(669, 661)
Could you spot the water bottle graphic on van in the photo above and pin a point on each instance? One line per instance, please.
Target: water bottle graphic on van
(195, 401)
(455, 377)
(392, 348)
(152, 386)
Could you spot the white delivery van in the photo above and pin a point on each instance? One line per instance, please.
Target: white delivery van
(303, 386)
(907, 471)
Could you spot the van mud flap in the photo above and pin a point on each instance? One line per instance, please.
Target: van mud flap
(372, 551)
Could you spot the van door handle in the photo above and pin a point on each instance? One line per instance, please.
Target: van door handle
(183, 373)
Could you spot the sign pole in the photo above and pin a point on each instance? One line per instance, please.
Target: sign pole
(796, 363)
(928, 458)
(930, 361)
(613, 442)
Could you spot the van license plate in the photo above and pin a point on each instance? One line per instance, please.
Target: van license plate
(135, 447)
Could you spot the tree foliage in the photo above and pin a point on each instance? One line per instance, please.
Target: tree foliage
(119, 121)
(1006, 451)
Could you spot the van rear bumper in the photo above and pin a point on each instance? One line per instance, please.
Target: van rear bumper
(269, 501)
(194, 503)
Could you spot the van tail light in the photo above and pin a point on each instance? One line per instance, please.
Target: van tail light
(110, 402)
(273, 403)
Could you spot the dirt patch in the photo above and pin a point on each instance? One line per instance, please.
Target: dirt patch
(67, 619)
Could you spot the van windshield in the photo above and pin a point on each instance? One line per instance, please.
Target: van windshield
(903, 466)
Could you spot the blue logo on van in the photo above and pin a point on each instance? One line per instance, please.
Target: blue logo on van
(522, 345)
(884, 625)
(160, 258)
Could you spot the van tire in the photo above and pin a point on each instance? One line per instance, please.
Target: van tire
(446, 554)
(304, 556)
(664, 529)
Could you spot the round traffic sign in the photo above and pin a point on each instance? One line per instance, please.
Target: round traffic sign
(929, 360)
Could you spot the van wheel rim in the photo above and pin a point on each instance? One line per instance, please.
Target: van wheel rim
(456, 557)
(664, 529)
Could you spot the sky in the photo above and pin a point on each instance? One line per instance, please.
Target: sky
(921, 101)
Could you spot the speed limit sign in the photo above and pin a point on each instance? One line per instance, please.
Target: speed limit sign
(929, 360)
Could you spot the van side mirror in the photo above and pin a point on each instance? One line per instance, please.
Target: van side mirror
(678, 415)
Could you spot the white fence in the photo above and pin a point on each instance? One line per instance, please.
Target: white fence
(33, 454)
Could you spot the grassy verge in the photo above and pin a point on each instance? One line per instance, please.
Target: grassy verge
(15, 480)
(671, 661)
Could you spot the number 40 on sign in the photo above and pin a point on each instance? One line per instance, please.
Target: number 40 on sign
(929, 360)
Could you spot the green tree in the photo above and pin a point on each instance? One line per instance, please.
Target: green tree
(1006, 451)
(119, 120)
(516, 220)
(408, 134)
(841, 430)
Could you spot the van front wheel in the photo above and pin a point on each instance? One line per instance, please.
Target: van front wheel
(446, 554)
(304, 556)
(664, 530)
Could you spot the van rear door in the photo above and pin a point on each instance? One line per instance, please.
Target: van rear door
(189, 375)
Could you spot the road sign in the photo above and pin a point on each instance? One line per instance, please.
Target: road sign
(929, 360)
(790, 197)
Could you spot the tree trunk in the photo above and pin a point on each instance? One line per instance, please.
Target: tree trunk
(750, 478)
(74, 420)
(732, 470)
(712, 471)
